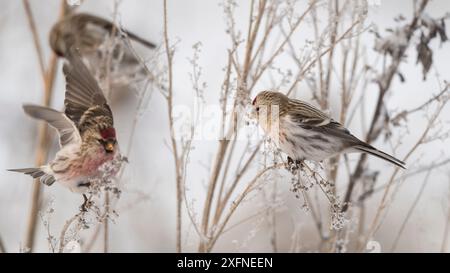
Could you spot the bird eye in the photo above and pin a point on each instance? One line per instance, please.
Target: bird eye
(257, 109)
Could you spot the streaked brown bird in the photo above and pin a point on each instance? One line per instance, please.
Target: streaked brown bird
(86, 131)
(87, 33)
(304, 132)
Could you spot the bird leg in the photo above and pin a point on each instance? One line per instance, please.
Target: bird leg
(290, 160)
(294, 165)
(86, 204)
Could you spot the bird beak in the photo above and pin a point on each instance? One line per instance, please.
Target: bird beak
(109, 147)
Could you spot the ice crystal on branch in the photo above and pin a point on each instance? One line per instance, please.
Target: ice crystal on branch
(107, 179)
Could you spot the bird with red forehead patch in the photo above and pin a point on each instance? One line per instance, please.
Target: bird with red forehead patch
(86, 131)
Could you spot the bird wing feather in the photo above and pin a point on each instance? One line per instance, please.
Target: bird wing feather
(66, 129)
(95, 21)
(307, 114)
(82, 90)
(310, 118)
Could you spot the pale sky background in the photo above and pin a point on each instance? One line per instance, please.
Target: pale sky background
(150, 226)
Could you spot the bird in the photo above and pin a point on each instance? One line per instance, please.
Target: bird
(86, 32)
(87, 136)
(91, 34)
(304, 132)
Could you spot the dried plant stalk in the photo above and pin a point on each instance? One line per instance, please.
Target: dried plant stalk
(384, 86)
(43, 140)
(178, 163)
(2, 246)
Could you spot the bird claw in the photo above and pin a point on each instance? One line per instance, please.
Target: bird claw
(290, 160)
(86, 204)
(294, 165)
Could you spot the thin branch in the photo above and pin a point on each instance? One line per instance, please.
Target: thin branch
(93, 239)
(169, 97)
(375, 223)
(235, 182)
(384, 84)
(410, 211)
(2, 246)
(220, 197)
(36, 42)
(43, 141)
(223, 143)
(405, 113)
(62, 236)
(106, 224)
(252, 32)
(280, 48)
(422, 169)
(334, 21)
(308, 66)
(237, 202)
(109, 56)
(447, 225)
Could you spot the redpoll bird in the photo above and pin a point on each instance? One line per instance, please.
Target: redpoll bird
(86, 131)
(304, 132)
(87, 33)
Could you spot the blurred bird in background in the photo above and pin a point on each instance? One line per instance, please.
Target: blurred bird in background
(92, 35)
(304, 132)
(86, 32)
(86, 131)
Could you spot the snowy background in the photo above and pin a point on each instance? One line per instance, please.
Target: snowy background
(146, 221)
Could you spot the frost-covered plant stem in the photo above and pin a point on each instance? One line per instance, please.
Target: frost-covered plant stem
(384, 84)
(178, 163)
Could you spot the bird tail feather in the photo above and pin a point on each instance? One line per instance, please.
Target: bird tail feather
(373, 151)
(44, 177)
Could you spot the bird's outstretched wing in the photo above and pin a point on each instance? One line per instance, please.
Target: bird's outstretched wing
(67, 131)
(83, 94)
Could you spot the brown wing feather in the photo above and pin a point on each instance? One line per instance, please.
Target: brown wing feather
(310, 118)
(109, 26)
(307, 113)
(85, 30)
(82, 90)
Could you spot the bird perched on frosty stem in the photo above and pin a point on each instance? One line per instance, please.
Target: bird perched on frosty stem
(86, 132)
(304, 132)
